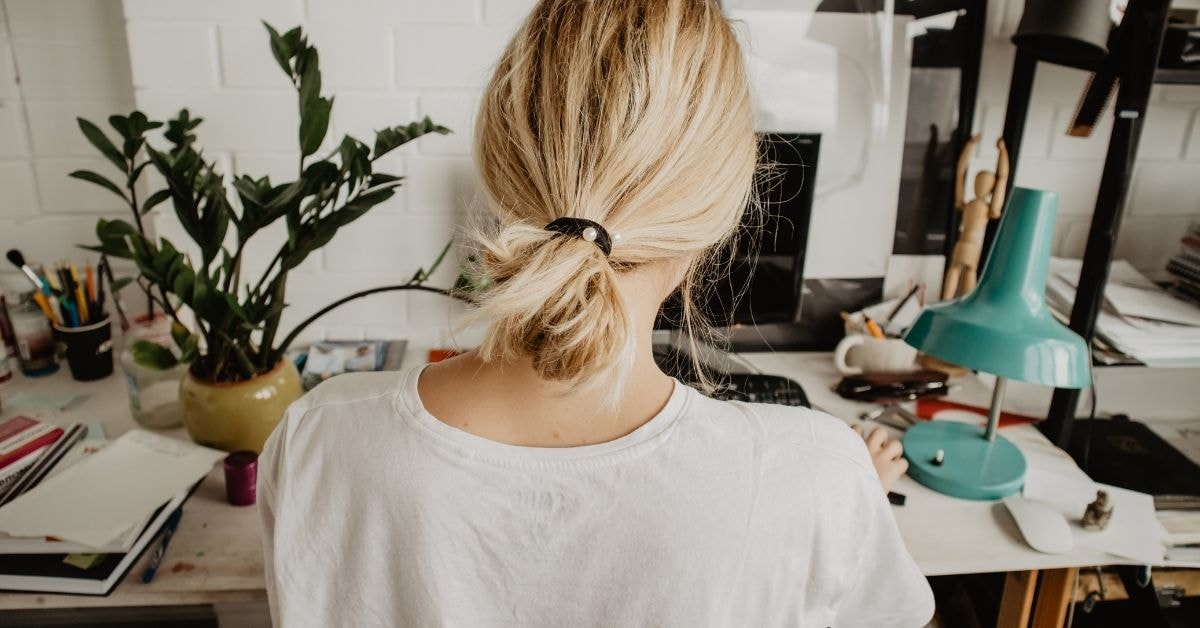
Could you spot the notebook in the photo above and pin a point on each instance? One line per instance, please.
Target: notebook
(47, 573)
(1130, 455)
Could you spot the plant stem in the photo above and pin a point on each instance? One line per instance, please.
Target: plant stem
(130, 184)
(287, 341)
(267, 273)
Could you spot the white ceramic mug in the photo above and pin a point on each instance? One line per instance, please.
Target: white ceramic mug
(857, 354)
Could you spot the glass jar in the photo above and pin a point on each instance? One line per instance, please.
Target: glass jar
(153, 393)
(36, 349)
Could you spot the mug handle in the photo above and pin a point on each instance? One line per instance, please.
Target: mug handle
(843, 349)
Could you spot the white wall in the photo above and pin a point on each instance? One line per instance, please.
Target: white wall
(388, 62)
(58, 59)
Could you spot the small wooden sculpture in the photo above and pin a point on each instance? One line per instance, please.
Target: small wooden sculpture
(962, 272)
(1098, 513)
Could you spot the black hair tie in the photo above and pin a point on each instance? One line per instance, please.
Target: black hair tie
(583, 228)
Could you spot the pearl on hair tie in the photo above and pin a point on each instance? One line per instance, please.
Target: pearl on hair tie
(588, 230)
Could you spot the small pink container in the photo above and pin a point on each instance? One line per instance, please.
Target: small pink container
(241, 478)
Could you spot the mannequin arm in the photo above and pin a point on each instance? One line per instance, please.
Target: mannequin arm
(1001, 181)
(960, 173)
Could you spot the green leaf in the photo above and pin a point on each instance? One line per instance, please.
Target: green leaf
(122, 126)
(422, 275)
(92, 177)
(283, 47)
(153, 355)
(179, 129)
(119, 283)
(113, 235)
(390, 139)
(314, 124)
(102, 143)
(154, 199)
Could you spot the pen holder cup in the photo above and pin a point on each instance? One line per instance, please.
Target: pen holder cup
(88, 349)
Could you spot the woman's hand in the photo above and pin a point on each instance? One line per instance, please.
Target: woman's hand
(886, 454)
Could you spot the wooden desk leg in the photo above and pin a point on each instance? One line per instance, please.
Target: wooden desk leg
(1017, 600)
(1054, 595)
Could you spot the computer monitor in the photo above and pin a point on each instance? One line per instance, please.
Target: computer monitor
(756, 292)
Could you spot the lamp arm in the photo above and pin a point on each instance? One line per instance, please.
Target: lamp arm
(995, 409)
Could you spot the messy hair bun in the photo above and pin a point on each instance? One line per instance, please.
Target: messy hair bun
(635, 115)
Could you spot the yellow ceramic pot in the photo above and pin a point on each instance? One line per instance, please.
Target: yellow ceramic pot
(238, 416)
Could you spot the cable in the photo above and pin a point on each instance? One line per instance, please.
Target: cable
(1087, 441)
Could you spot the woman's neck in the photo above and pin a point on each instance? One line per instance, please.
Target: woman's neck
(508, 402)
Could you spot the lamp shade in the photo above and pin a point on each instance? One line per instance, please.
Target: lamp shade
(1003, 327)
(1069, 32)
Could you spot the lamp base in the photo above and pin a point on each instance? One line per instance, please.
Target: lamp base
(971, 468)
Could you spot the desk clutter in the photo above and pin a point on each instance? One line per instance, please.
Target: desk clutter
(1140, 323)
(60, 313)
(76, 510)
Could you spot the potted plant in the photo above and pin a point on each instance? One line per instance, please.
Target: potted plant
(225, 325)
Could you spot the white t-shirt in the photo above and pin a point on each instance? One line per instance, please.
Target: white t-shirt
(711, 514)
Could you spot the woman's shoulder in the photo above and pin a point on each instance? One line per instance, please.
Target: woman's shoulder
(365, 399)
(351, 389)
(776, 425)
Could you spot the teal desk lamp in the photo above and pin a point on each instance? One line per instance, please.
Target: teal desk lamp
(1003, 327)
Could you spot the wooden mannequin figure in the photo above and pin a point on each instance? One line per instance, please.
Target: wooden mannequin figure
(987, 205)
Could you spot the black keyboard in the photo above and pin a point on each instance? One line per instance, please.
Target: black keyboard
(759, 388)
(751, 387)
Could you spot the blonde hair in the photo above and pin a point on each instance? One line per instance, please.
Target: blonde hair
(633, 114)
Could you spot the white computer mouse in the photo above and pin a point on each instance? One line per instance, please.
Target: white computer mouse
(1044, 528)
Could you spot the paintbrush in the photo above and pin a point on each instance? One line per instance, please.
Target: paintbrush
(18, 260)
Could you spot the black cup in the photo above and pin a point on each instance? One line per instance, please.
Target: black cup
(88, 349)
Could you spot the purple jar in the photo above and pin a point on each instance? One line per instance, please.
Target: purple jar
(241, 477)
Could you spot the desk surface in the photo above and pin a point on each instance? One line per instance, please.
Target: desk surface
(944, 534)
(216, 556)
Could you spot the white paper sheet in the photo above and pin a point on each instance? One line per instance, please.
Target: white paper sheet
(96, 500)
(1133, 532)
(1152, 303)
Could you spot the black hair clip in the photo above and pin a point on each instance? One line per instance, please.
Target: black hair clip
(589, 230)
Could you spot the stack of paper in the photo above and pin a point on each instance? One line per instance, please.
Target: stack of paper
(111, 503)
(1139, 319)
(100, 498)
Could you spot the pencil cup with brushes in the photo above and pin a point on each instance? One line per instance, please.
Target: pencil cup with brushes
(73, 304)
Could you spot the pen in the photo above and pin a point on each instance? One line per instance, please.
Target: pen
(70, 315)
(91, 283)
(44, 304)
(168, 532)
(873, 327)
(903, 302)
(80, 297)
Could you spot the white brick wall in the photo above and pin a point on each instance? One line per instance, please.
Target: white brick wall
(58, 59)
(387, 62)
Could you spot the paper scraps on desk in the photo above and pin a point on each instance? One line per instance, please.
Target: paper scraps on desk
(35, 401)
(1133, 533)
(97, 500)
(944, 410)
